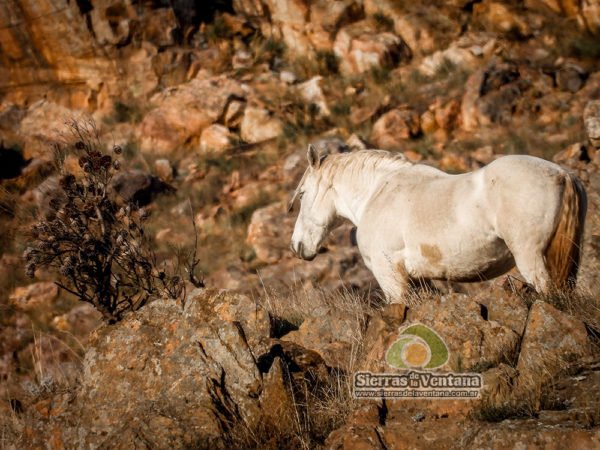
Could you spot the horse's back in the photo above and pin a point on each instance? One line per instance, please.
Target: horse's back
(525, 169)
(474, 214)
(524, 194)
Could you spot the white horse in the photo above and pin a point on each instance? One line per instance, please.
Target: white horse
(416, 222)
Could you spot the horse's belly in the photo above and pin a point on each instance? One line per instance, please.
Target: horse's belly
(467, 263)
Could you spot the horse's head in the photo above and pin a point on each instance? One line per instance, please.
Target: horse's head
(317, 209)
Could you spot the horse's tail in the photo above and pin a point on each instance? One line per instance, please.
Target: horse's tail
(563, 253)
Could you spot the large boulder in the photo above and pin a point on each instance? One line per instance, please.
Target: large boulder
(476, 344)
(374, 426)
(392, 129)
(46, 41)
(171, 376)
(42, 126)
(259, 125)
(203, 374)
(334, 333)
(466, 53)
(490, 96)
(288, 19)
(182, 113)
(552, 341)
(361, 47)
(425, 27)
(591, 119)
(217, 139)
(586, 13)
(514, 434)
(305, 27)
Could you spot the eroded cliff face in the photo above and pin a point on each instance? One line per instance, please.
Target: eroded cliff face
(78, 52)
(81, 52)
(47, 44)
(222, 109)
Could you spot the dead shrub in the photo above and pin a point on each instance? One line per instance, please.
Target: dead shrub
(99, 248)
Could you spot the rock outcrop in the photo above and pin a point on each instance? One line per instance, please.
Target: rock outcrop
(218, 109)
(184, 112)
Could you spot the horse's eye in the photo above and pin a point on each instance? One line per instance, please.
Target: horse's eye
(300, 195)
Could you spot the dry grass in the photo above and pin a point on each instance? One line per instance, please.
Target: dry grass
(222, 240)
(324, 63)
(299, 303)
(319, 403)
(55, 365)
(11, 427)
(317, 408)
(580, 304)
(525, 395)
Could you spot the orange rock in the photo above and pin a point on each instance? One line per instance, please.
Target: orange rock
(552, 339)
(394, 127)
(216, 138)
(184, 112)
(360, 47)
(30, 297)
(259, 125)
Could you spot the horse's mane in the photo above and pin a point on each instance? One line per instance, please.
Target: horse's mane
(363, 162)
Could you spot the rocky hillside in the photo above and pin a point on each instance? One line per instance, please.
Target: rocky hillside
(213, 107)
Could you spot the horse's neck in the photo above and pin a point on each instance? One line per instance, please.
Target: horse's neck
(356, 187)
(354, 191)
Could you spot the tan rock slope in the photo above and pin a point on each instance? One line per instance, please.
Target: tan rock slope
(212, 105)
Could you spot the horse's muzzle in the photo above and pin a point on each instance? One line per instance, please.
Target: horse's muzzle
(299, 252)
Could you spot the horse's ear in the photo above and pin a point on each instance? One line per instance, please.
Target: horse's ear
(313, 157)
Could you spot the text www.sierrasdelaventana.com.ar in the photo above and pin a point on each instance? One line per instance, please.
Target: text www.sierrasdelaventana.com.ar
(417, 384)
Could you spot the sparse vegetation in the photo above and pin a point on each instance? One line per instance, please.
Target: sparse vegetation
(585, 46)
(492, 413)
(583, 305)
(320, 402)
(218, 29)
(322, 62)
(383, 21)
(319, 406)
(125, 113)
(99, 249)
(267, 50)
(380, 74)
(302, 120)
(305, 342)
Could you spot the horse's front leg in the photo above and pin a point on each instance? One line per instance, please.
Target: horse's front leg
(392, 278)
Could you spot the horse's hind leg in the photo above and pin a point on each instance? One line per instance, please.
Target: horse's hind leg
(532, 265)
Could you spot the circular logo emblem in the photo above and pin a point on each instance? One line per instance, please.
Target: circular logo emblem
(417, 347)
